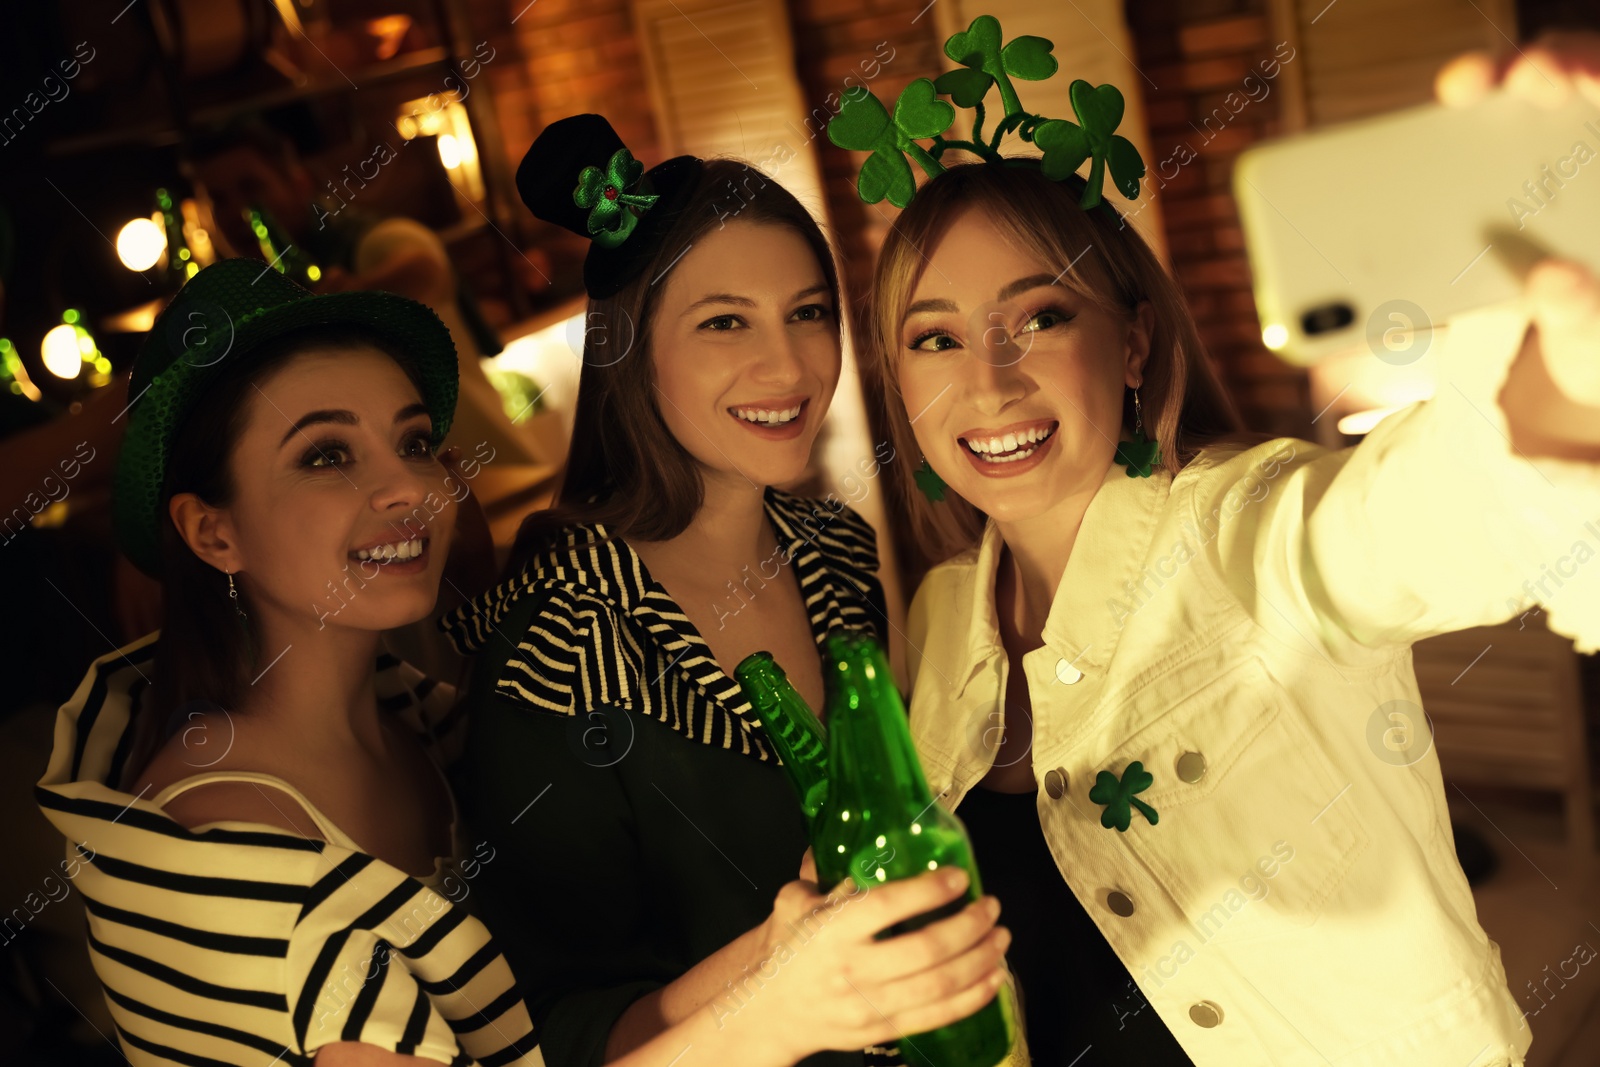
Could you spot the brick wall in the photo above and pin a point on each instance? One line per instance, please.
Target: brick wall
(564, 57)
(835, 39)
(1202, 114)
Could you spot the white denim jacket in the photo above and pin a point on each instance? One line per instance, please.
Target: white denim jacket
(1243, 630)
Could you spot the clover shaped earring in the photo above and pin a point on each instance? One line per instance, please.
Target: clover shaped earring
(929, 482)
(1141, 454)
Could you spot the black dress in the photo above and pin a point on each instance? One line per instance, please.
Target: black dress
(638, 818)
(1081, 1004)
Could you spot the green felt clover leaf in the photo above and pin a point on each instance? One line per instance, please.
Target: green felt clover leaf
(605, 192)
(1029, 58)
(920, 113)
(1066, 145)
(1119, 799)
(861, 122)
(966, 86)
(1139, 455)
(929, 482)
(864, 125)
(978, 49)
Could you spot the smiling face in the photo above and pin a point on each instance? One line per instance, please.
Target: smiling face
(745, 344)
(1014, 381)
(341, 515)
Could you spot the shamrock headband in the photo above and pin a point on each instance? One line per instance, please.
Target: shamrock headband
(580, 176)
(864, 125)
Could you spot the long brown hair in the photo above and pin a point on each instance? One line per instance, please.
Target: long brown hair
(204, 658)
(1184, 405)
(625, 468)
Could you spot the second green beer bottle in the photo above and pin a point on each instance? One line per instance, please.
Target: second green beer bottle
(791, 726)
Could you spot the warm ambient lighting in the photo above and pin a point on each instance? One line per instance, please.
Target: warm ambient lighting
(14, 374)
(69, 346)
(1275, 335)
(449, 151)
(390, 30)
(445, 119)
(61, 355)
(1359, 422)
(140, 244)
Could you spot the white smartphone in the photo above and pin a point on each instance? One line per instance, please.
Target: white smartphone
(1404, 220)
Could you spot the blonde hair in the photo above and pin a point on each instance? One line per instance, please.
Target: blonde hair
(1183, 403)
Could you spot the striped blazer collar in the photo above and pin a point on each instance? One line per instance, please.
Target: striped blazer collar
(826, 553)
(591, 559)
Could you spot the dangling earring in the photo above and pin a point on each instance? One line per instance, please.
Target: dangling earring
(929, 482)
(234, 594)
(1141, 454)
(244, 622)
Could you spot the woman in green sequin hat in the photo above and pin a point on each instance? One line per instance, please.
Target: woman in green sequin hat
(258, 820)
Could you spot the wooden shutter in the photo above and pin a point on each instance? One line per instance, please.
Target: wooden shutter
(1364, 57)
(722, 82)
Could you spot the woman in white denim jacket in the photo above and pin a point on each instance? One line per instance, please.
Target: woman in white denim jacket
(1239, 622)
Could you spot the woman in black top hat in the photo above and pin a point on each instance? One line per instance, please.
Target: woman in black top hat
(641, 820)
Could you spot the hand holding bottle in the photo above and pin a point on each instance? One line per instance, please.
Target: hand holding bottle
(822, 980)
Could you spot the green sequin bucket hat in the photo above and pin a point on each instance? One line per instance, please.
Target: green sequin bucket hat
(214, 328)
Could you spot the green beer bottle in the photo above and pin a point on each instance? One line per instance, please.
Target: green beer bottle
(800, 740)
(881, 823)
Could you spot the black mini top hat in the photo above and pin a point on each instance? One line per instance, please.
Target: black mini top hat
(216, 327)
(579, 175)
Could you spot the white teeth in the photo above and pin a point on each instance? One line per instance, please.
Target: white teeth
(384, 553)
(766, 416)
(1011, 457)
(1004, 449)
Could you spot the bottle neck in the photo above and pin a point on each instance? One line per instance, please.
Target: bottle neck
(870, 748)
(788, 721)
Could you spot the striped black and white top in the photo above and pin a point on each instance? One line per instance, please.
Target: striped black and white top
(243, 945)
(608, 634)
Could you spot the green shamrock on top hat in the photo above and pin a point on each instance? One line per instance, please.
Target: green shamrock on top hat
(865, 125)
(605, 194)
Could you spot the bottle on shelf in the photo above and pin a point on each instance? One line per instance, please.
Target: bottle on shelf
(280, 250)
(181, 265)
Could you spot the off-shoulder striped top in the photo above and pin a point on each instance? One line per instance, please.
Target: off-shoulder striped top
(239, 944)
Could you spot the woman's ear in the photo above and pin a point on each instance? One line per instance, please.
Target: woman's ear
(208, 531)
(1140, 329)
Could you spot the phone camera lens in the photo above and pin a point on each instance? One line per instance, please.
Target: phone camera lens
(1326, 318)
